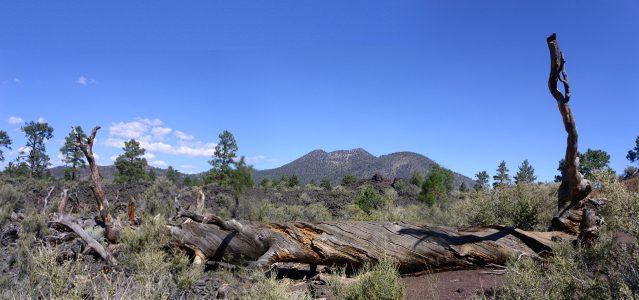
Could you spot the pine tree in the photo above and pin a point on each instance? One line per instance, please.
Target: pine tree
(324, 183)
(502, 178)
(72, 154)
(150, 176)
(222, 161)
(313, 182)
(195, 181)
(634, 155)
(293, 182)
(463, 188)
(172, 175)
(449, 177)
(283, 180)
(131, 164)
(265, 182)
(526, 174)
(588, 162)
(5, 141)
(417, 178)
(433, 188)
(482, 180)
(37, 134)
(186, 181)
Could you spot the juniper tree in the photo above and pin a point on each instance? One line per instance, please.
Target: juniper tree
(526, 174)
(5, 141)
(131, 164)
(463, 188)
(37, 134)
(449, 177)
(264, 182)
(348, 179)
(72, 154)
(313, 182)
(502, 178)
(433, 188)
(150, 176)
(325, 184)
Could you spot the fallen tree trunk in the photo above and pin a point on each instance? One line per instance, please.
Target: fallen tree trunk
(415, 247)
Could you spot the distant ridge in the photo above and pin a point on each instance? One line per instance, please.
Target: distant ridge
(319, 164)
(108, 172)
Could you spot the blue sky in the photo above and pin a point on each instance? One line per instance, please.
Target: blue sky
(462, 82)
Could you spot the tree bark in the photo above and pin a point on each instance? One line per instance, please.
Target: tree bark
(574, 188)
(416, 247)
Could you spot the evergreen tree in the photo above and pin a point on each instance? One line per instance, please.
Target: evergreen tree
(5, 141)
(293, 182)
(348, 179)
(283, 180)
(264, 182)
(222, 161)
(313, 182)
(99, 176)
(463, 188)
(37, 134)
(150, 176)
(172, 175)
(186, 181)
(240, 180)
(526, 174)
(195, 181)
(275, 183)
(588, 162)
(634, 155)
(433, 189)
(19, 169)
(449, 177)
(131, 164)
(502, 178)
(324, 183)
(72, 155)
(482, 180)
(417, 178)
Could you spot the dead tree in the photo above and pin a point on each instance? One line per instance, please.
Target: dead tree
(103, 205)
(576, 212)
(413, 246)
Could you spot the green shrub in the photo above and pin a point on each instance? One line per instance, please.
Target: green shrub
(263, 288)
(370, 199)
(380, 281)
(348, 179)
(325, 184)
(265, 211)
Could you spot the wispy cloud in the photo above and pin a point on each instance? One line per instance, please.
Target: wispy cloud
(113, 158)
(159, 133)
(82, 80)
(14, 120)
(41, 120)
(154, 122)
(183, 136)
(97, 157)
(159, 163)
(149, 156)
(16, 80)
(254, 159)
(187, 167)
(272, 159)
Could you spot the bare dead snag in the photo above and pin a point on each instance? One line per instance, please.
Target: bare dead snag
(574, 188)
(44, 207)
(64, 223)
(111, 233)
(131, 212)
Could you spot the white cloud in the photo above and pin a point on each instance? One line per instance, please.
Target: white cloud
(159, 133)
(60, 141)
(187, 167)
(82, 80)
(114, 157)
(253, 159)
(131, 130)
(271, 159)
(93, 81)
(183, 136)
(17, 152)
(41, 120)
(154, 122)
(159, 163)
(198, 150)
(96, 156)
(188, 172)
(14, 120)
(16, 80)
(149, 156)
(60, 158)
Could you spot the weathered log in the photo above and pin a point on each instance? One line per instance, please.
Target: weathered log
(574, 188)
(415, 247)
